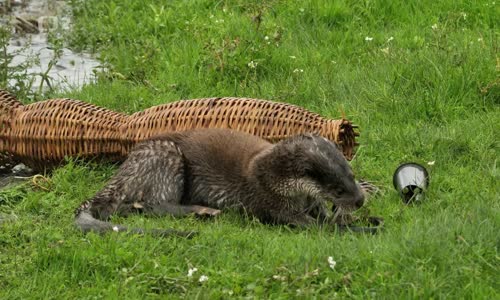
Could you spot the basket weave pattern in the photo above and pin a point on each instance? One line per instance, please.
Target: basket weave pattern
(43, 133)
(8, 106)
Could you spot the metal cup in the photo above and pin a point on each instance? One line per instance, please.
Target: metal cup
(411, 181)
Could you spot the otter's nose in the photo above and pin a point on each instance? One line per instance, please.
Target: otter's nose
(360, 200)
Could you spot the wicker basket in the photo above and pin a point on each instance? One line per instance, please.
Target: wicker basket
(43, 133)
(8, 107)
(270, 120)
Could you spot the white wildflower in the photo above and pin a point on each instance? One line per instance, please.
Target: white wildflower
(115, 228)
(191, 272)
(434, 26)
(301, 9)
(334, 62)
(331, 262)
(279, 277)
(292, 56)
(298, 71)
(368, 38)
(385, 50)
(266, 38)
(464, 15)
(252, 64)
(390, 39)
(203, 278)
(431, 163)
(480, 39)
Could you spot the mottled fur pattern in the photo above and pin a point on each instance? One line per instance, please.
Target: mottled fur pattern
(203, 171)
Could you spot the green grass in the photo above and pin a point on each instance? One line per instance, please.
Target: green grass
(429, 93)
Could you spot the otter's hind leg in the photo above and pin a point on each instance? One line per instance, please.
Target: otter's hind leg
(165, 177)
(151, 180)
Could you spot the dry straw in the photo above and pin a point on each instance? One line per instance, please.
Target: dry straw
(41, 134)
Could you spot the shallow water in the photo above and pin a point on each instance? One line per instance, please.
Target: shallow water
(72, 70)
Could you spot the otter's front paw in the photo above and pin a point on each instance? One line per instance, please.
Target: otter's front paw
(208, 212)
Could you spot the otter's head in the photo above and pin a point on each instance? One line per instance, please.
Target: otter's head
(312, 166)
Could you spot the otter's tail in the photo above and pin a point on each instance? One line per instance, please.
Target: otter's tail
(87, 223)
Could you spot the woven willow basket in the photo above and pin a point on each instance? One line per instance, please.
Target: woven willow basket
(43, 133)
(8, 105)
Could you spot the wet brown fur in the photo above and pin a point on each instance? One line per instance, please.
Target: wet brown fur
(203, 171)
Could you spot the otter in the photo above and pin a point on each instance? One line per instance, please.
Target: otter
(205, 171)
